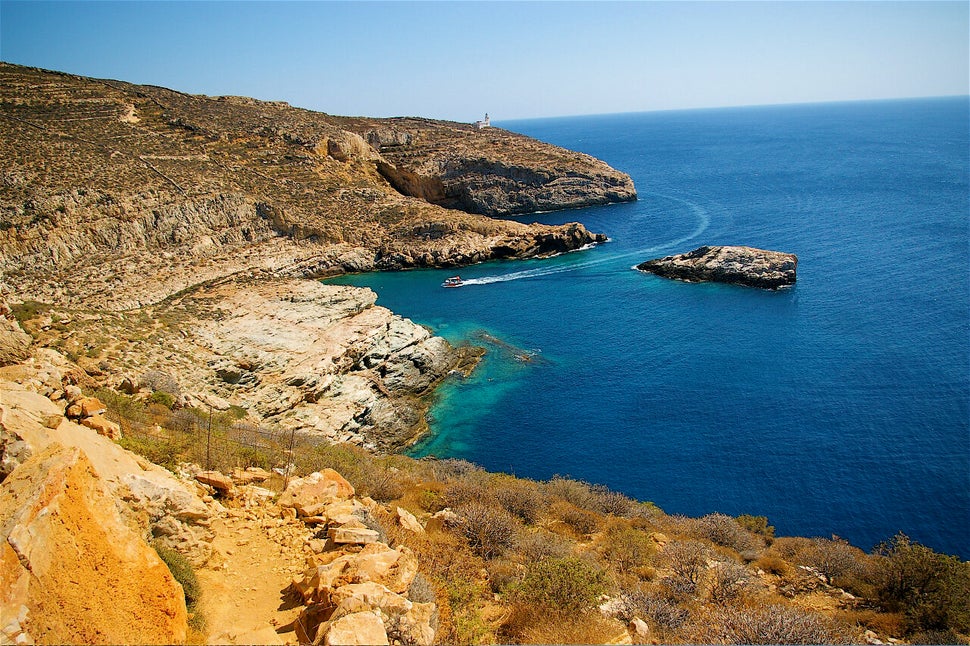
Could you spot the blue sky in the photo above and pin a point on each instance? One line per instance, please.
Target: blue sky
(457, 60)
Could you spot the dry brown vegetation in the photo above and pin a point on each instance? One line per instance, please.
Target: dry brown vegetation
(518, 561)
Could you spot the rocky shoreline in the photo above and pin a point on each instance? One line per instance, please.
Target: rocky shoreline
(159, 232)
(735, 265)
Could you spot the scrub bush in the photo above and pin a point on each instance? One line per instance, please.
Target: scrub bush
(770, 624)
(688, 562)
(489, 530)
(522, 500)
(570, 585)
(931, 589)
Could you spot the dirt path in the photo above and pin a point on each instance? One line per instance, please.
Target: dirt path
(255, 557)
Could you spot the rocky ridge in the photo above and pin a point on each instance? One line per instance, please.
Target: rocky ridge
(136, 179)
(737, 265)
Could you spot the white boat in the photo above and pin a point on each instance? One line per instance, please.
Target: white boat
(454, 281)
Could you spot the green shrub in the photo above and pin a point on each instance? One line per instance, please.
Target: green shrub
(28, 310)
(542, 544)
(757, 525)
(931, 589)
(165, 451)
(627, 548)
(161, 397)
(570, 585)
(183, 572)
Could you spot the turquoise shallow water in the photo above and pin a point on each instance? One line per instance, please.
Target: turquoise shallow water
(837, 407)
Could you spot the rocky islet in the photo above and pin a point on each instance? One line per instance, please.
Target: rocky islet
(728, 264)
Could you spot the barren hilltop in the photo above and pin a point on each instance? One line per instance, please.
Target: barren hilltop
(124, 194)
(198, 438)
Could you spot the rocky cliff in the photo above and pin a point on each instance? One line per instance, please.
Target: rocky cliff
(489, 171)
(738, 265)
(75, 513)
(175, 208)
(116, 195)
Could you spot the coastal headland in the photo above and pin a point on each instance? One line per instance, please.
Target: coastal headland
(123, 203)
(159, 298)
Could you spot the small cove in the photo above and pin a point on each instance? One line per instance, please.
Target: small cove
(837, 407)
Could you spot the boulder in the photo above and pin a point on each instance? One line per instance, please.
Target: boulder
(72, 570)
(14, 342)
(381, 564)
(737, 265)
(326, 486)
(102, 426)
(91, 406)
(356, 629)
(250, 475)
(216, 480)
(352, 535)
(407, 520)
(372, 595)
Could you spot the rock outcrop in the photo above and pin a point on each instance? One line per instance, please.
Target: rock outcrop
(14, 342)
(738, 265)
(153, 502)
(72, 569)
(321, 360)
(492, 171)
(355, 588)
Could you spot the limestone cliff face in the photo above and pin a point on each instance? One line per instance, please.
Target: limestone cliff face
(115, 195)
(489, 171)
(738, 265)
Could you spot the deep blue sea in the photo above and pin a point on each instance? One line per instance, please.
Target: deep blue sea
(841, 406)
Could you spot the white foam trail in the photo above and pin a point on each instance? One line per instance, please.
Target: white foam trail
(703, 221)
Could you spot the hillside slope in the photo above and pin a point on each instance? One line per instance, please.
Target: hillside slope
(117, 195)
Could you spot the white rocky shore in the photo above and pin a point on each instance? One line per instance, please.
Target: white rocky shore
(296, 355)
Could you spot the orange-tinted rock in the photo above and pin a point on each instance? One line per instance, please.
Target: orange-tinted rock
(305, 494)
(72, 570)
(216, 480)
(356, 629)
(103, 426)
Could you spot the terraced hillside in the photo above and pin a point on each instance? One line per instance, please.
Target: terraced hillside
(117, 195)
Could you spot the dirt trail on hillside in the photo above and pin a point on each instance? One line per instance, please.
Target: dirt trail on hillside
(255, 557)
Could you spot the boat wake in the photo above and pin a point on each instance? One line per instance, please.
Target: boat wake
(703, 222)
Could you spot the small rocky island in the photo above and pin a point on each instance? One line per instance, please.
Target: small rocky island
(736, 265)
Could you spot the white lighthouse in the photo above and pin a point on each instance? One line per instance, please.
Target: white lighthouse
(484, 124)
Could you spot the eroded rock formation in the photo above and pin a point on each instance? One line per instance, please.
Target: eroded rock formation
(738, 265)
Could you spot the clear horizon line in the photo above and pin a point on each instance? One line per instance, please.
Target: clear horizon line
(733, 106)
